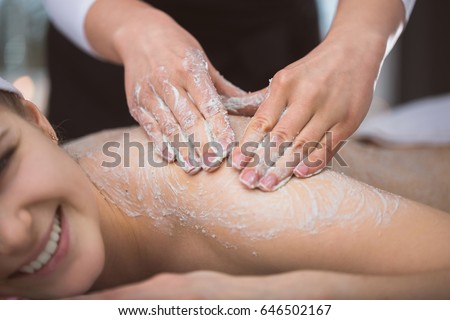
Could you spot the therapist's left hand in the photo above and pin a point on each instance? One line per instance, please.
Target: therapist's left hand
(312, 105)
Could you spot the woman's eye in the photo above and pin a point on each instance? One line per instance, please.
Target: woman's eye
(6, 158)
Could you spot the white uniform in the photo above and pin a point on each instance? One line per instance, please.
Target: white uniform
(6, 86)
(69, 15)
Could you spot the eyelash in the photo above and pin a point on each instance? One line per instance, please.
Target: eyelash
(5, 159)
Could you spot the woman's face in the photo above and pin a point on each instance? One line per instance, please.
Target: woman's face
(50, 240)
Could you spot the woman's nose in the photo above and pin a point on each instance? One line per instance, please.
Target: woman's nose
(15, 232)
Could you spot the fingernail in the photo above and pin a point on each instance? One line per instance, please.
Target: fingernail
(237, 160)
(301, 171)
(168, 154)
(249, 178)
(224, 151)
(191, 169)
(268, 182)
(211, 163)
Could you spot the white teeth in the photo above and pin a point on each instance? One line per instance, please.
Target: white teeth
(27, 269)
(49, 250)
(54, 236)
(44, 257)
(36, 265)
(51, 247)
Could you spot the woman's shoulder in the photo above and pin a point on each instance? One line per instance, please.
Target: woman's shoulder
(94, 143)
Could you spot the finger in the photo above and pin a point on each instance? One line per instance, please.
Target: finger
(319, 158)
(191, 122)
(151, 127)
(186, 156)
(204, 94)
(271, 148)
(305, 143)
(236, 100)
(291, 121)
(245, 105)
(263, 122)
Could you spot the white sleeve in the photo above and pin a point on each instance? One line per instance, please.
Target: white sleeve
(68, 16)
(409, 5)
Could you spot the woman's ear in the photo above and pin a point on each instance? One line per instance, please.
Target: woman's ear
(39, 119)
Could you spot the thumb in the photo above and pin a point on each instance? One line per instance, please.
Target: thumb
(245, 105)
(236, 100)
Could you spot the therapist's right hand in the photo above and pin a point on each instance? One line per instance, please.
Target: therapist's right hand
(172, 89)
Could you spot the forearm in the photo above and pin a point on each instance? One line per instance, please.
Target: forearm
(107, 20)
(376, 23)
(330, 285)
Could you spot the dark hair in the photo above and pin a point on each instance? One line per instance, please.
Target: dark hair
(13, 102)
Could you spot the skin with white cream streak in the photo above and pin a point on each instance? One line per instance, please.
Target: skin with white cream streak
(212, 203)
(328, 221)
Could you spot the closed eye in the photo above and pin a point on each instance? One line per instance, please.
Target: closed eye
(5, 159)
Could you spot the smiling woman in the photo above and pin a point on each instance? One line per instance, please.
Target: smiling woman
(49, 212)
(69, 225)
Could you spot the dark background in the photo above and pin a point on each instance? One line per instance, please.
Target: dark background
(425, 51)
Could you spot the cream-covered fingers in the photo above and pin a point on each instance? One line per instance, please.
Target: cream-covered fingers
(204, 94)
(147, 121)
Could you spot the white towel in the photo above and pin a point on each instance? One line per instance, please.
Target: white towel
(423, 122)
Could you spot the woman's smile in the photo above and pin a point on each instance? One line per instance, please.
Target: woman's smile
(51, 250)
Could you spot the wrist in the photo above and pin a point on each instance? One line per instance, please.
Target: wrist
(111, 26)
(354, 37)
(146, 21)
(375, 24)
(365, 47)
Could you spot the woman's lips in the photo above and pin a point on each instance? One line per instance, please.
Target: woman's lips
(58, 255)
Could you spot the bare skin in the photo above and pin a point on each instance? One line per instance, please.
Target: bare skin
(105, 248)
(415, 234)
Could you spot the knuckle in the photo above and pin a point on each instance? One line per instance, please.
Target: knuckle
(280, 135)
(261, 124)
(212, 106)
(151, 129)
(282, 77)
(188, 120)
(169, 128)
(143, 116)
(301, 142)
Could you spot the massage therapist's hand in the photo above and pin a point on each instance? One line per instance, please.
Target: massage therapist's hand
(329, 90)
(312, 105)
(173, 90)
